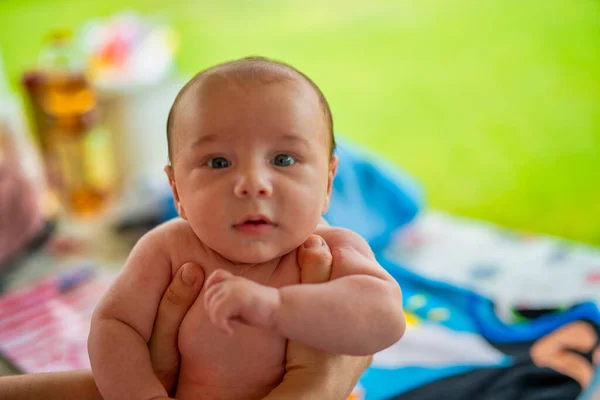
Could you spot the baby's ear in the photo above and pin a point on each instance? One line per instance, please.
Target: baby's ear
(333, 165)
(171, 175)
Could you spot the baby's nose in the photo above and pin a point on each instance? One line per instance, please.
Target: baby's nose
(253, 184)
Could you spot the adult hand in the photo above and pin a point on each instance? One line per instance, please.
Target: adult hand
(175, 303)
(312, 373)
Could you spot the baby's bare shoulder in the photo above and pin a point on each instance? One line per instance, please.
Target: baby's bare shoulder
(175, 231)
(178, 240)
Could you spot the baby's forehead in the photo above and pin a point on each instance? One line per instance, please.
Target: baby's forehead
(214, 88)
(248, 83)
(219, 96)
(276, 107)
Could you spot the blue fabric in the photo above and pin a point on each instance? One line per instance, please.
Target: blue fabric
(370, 197)
(468, 313)
(374, 199)
(497, 331)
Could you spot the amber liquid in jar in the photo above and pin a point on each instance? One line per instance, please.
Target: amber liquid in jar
(77, 150)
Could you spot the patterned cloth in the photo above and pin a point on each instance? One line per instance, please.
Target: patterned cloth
(517, 271)
(44, 326)
(491, 314)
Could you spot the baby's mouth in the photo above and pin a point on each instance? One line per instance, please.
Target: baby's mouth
(256, 220)
(257, 225)
(260, 222)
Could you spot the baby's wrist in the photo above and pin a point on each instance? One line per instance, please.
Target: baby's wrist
(276, 302)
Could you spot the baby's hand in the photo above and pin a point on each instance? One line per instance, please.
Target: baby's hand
(234, 298)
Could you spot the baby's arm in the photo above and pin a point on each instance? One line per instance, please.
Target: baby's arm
(358, 312)
(122, 324)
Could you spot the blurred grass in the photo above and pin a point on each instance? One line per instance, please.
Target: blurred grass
(493, 105)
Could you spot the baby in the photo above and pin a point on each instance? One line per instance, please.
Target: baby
(251, 149)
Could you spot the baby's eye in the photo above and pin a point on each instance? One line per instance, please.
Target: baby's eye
(218, 163)
(283, 160)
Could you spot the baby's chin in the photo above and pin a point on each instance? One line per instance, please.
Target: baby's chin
(252, 257)
(257, 253)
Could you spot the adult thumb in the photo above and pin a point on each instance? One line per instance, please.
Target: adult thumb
(314, 259)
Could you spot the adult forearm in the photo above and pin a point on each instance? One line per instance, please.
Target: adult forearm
(75, 385)
(326, 376)
(310, 386)
(121, 362)
(355, 315)
(293, 391)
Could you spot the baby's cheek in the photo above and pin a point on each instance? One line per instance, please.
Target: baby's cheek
(207, 212)
(305, 217)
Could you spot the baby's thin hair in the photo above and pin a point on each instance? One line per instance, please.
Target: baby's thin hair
(259, 69)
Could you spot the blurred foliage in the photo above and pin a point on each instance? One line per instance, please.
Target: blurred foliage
(493, 105)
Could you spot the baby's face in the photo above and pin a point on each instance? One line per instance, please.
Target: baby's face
(252, 172)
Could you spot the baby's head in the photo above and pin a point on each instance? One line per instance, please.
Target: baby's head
(251, 158)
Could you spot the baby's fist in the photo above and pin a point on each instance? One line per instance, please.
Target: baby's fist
(234, 298)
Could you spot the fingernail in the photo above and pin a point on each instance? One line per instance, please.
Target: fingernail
(188, 276)
(313, 242)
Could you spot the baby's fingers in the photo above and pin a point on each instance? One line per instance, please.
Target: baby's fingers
(224, 316)
(226, 327)
(217, 277)
(210, 295)
(220, 312)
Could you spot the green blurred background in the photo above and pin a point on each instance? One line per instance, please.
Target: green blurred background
(494, 105)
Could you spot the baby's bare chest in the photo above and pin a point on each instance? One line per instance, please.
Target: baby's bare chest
(252, 354)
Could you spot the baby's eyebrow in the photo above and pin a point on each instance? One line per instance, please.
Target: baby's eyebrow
(290, 137)
(211, 138)
(205, 139)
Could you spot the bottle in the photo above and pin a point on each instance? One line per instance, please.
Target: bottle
(76, 149)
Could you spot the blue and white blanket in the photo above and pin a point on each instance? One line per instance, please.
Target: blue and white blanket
(484, 320)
